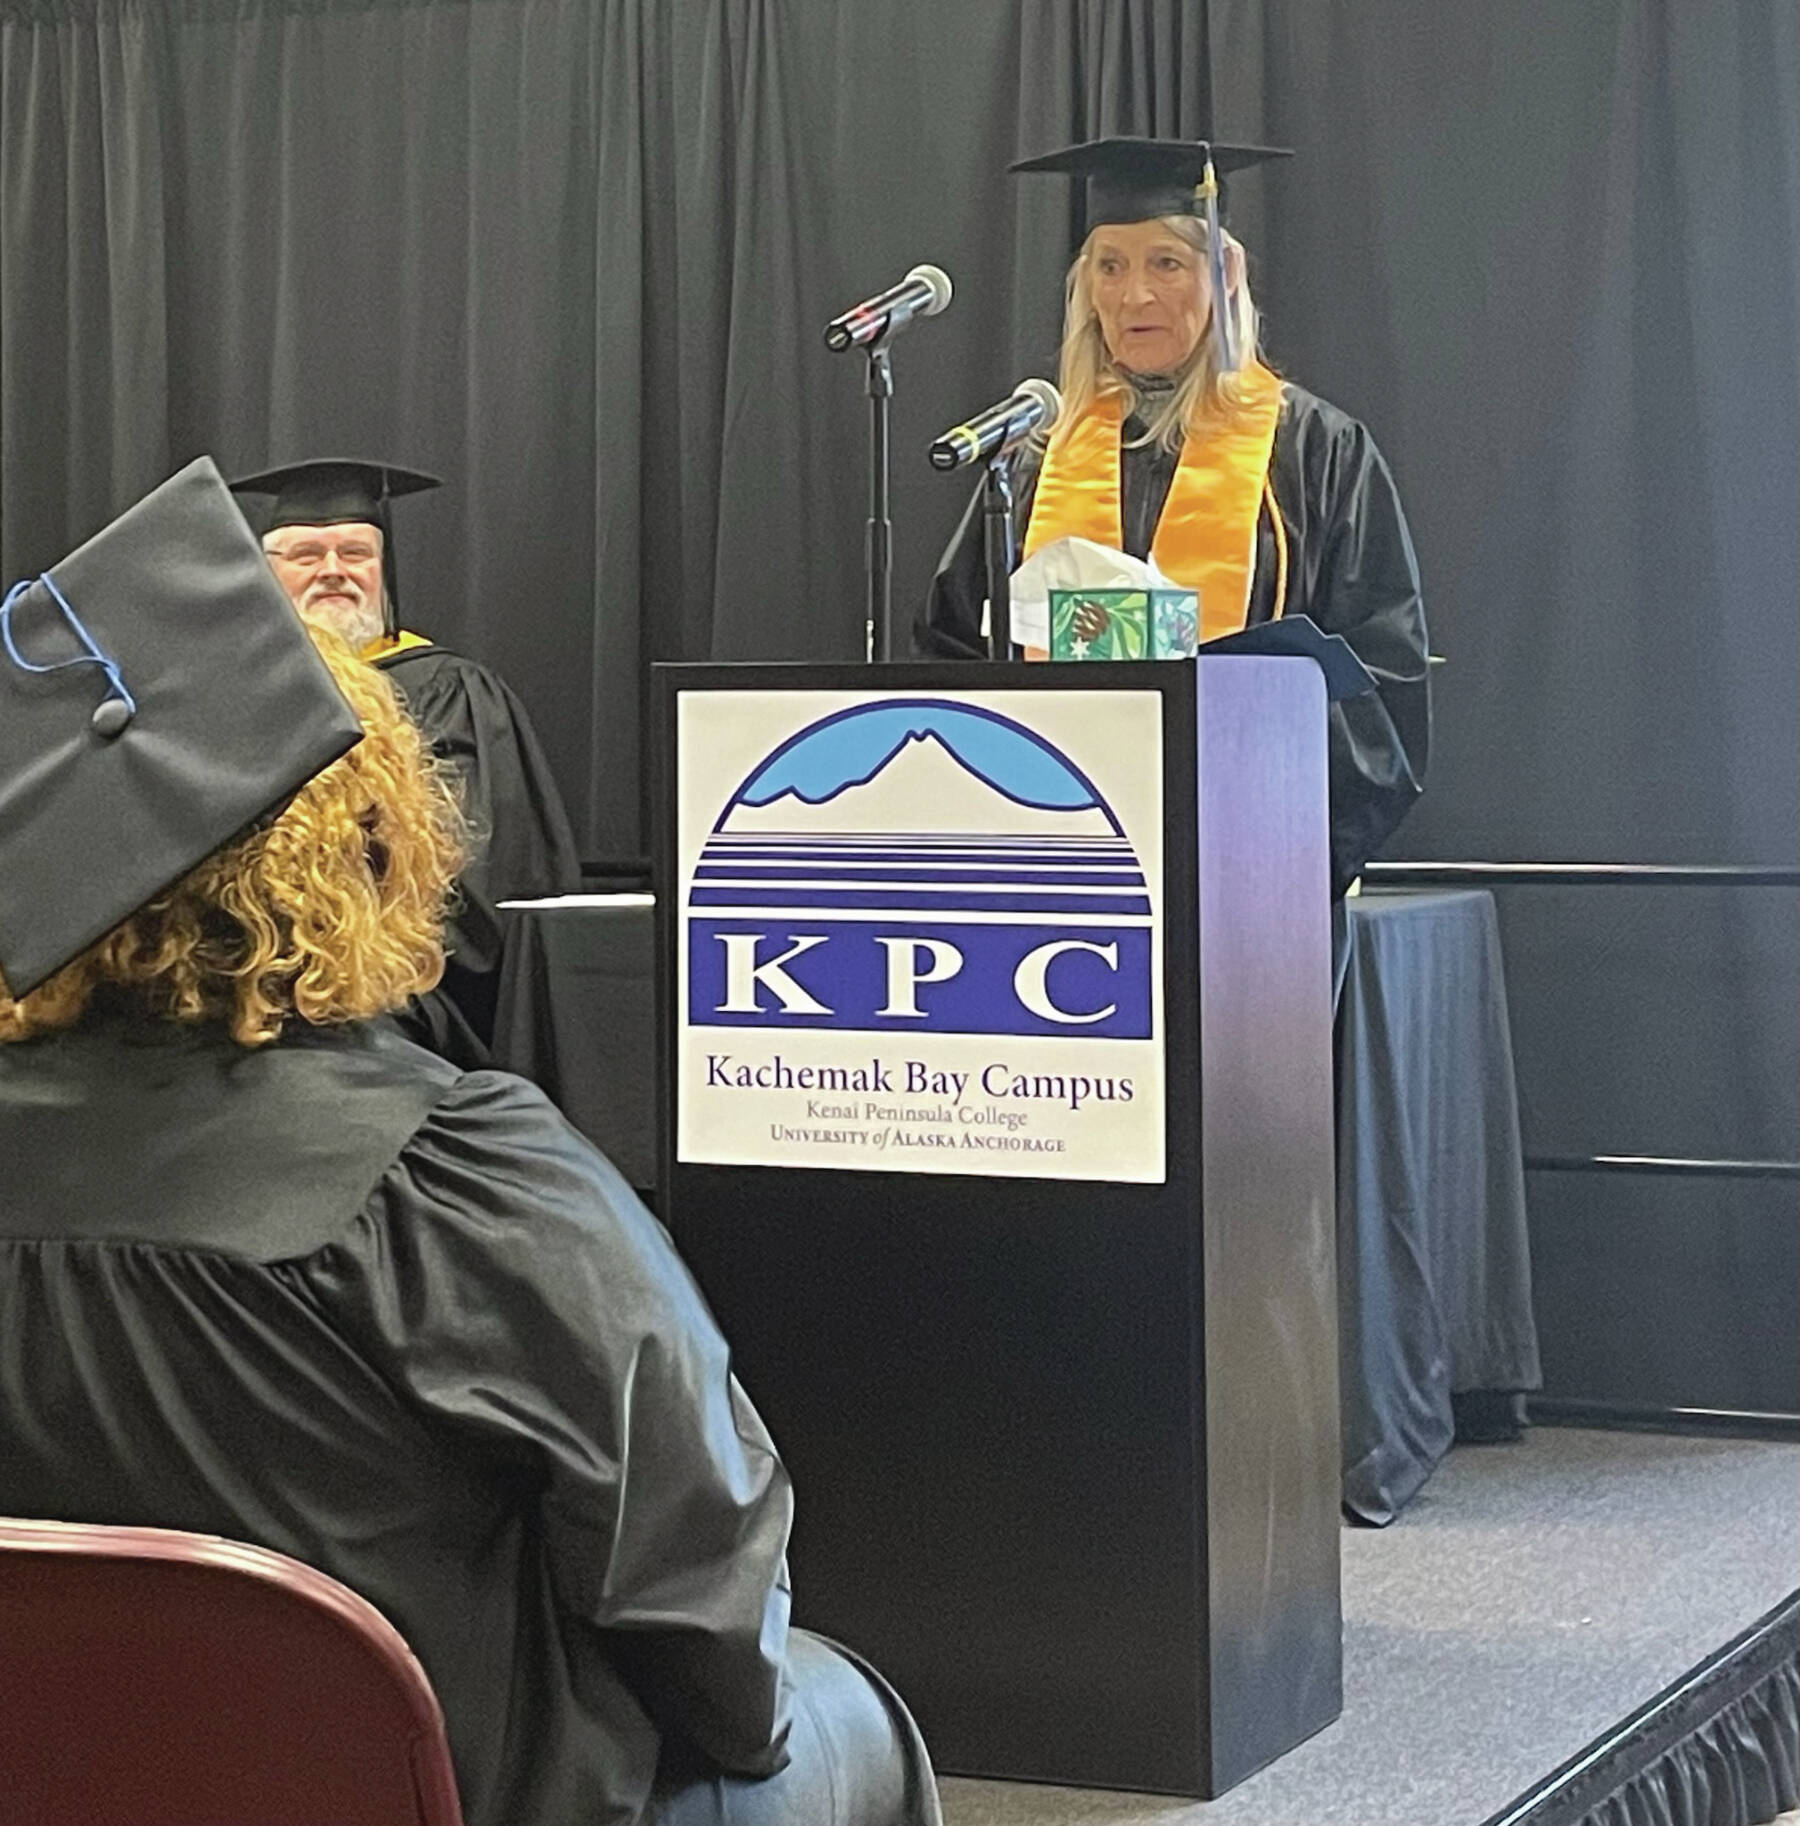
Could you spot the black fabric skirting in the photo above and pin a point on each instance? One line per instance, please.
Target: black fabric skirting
(1721, 1747)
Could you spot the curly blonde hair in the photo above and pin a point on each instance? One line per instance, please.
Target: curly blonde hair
(332, 911)
(1203, 391)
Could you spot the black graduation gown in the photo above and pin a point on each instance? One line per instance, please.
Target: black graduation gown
(523, 846)
(1350, 567)
(404, 1324)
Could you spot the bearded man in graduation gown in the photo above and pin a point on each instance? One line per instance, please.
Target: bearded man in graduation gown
(328, 534)
(1177, 443)
(270, 1271)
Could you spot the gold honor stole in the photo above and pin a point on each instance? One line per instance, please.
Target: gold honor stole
(1206, 536)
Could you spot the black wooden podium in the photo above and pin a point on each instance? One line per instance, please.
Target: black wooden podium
(1066, 1452)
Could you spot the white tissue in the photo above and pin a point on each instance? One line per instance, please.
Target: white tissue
(1072, 564)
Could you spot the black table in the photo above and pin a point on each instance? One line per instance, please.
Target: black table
(576, 1013)
(1434, 1271)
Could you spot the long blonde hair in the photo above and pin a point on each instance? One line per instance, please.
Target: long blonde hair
(334, 911)
(1202, 390)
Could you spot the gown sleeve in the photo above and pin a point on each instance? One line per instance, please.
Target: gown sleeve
(522, 847)
(1360, 578)
(473, 718)
(523, 1297)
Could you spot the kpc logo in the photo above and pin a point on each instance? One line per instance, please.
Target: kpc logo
(920, 865)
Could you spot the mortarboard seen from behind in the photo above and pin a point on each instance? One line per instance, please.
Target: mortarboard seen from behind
(159, 695)
(329, 491)
(1140, 180)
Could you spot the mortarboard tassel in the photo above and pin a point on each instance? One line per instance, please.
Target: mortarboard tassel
(1208, 192)
(114, 710)
(390, 594)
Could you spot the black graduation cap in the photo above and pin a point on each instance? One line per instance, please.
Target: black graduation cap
(328, 490)
(159, 695)
(1137, 180)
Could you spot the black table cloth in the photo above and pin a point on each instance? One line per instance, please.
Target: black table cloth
(1434, 1273)
(576, 1013)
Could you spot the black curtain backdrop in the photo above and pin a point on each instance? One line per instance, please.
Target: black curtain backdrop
(1552, 255)
(576, 255)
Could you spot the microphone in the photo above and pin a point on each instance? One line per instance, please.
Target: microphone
(922, 293)
(1034, 403)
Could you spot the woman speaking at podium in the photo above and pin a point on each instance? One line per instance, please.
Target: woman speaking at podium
(1178, 444)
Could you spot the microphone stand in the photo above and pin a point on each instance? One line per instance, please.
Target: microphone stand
(997, 539)
(878, 550)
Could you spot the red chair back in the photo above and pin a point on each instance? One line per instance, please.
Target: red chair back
(152, 1678)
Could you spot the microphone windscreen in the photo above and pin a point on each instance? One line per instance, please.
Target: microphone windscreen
(1045, 395)
(937, 282)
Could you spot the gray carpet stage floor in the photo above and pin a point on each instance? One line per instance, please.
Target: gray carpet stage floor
(1531, 1597)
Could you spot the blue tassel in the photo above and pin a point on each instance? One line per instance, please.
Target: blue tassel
(118, 707)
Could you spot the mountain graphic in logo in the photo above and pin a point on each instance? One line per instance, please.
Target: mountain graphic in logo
(922, 819)
(873, 769)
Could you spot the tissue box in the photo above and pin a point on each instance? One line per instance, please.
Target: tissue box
(1123, 624)
(1175, 624)
(1099, 624)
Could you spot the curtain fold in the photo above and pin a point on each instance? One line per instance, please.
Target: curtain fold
(84, 294)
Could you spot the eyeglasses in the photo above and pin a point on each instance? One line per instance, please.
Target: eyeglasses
(309, 554)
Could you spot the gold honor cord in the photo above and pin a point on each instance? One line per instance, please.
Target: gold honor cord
(1281, 551)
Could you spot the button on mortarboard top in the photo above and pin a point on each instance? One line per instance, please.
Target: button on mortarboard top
(1137, 180)
(158, 696)
(110, 717)
(118, 707)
